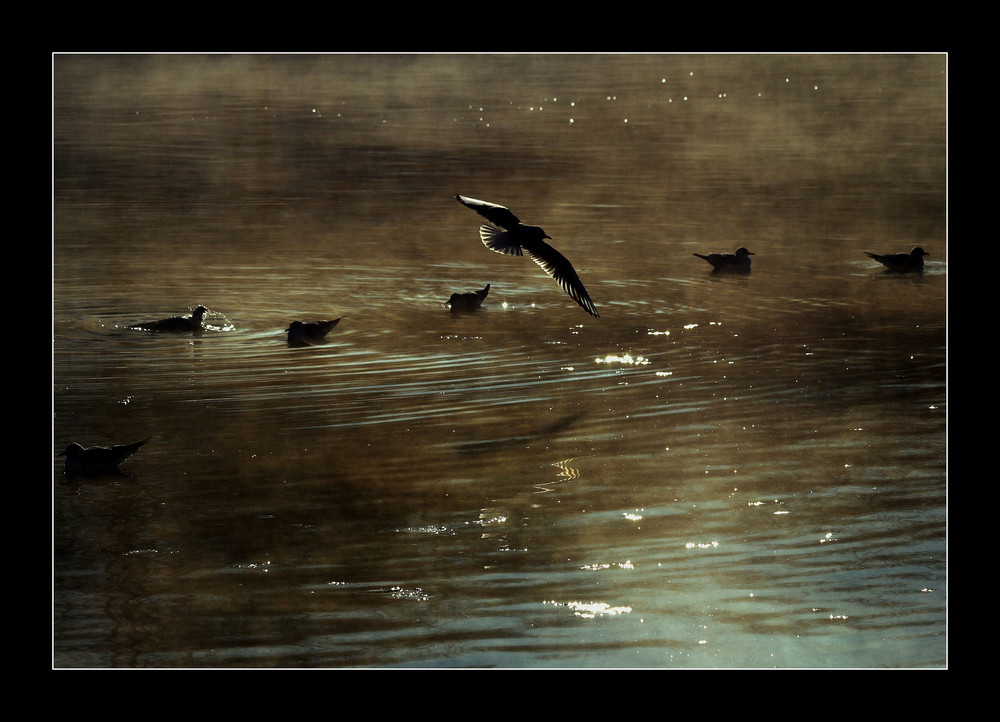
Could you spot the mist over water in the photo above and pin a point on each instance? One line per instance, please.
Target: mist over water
(720, 471)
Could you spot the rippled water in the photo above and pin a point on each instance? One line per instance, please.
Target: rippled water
(720, 471)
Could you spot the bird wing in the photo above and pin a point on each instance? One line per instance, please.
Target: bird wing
(495, 214)
(558, 266)
(499, 241)
(892, 260)
(717, 259)
(120, 453)
(325, 327)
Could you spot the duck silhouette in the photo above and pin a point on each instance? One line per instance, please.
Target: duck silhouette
(468, 301)
(175, 323)
(309, 332)
(506, 234)
(739, 261)
(912, 261)
(97, 460)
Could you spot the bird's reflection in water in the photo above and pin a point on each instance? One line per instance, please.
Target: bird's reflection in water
(530, 435)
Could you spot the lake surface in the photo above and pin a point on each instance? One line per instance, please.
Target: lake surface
(722, 471)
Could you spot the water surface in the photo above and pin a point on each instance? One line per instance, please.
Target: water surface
(720, 471)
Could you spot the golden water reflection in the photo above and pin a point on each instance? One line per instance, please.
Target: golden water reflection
(719, 472)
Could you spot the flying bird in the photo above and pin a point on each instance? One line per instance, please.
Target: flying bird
(468, 301)
(97, 460)
(912, 261)
(506, 234)
(739, 261)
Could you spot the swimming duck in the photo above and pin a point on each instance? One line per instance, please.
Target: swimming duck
(739, 261)
(912, 261)
(468, 301)
(97, 460)
(176, 323)
(304, 334)
(506, 234)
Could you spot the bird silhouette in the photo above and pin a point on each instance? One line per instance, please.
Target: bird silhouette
(912, 261)
(506, 234)
(175, 323)
(302, 334)
(468, 301)
(97, 460)
(739, 261)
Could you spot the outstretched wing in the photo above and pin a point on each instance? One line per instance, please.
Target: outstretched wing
(556, 265)
(497, 215)
(499, 241)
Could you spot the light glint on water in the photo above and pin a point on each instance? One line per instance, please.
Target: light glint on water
(523, 485)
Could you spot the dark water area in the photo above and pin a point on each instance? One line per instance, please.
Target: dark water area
(721, 471)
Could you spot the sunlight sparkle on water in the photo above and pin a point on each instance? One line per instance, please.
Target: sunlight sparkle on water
(621, 565)
(627, 359)
(701, 545)
(592, 609)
